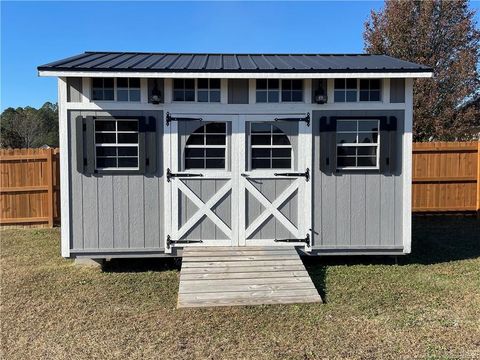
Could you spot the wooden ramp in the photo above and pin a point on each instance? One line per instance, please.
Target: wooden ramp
(227, 276)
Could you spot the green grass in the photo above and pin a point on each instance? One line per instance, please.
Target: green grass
(427, 306)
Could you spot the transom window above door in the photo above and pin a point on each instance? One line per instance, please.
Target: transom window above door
(269, 90)
(358, 144)
(206, 147)
(270, 148)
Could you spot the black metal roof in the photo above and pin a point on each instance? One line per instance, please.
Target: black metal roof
(187, 62)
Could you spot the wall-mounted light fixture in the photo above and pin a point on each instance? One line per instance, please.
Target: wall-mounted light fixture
(156, 96)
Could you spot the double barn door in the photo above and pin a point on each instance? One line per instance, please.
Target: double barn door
(236, 180)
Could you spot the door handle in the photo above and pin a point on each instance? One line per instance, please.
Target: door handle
(174, 175)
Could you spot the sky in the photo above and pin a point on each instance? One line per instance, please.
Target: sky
(35, 33)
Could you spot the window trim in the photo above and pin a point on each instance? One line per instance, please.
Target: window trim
(376, 145)
(195, 89)
(280, 90)
(381, 91)
(116, 144)
(226, 168)
(251, 147)
(115, 89)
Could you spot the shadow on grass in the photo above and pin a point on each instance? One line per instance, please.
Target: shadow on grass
(435, 239)
(142, 265)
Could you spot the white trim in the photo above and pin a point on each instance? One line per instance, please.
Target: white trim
(64, 169)
(167, 190)
(86, 89)
(407, 168)
(237, 75)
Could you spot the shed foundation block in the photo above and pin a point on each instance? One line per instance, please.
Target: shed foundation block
(88, 262)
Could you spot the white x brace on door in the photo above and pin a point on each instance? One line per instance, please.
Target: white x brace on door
(220, 188)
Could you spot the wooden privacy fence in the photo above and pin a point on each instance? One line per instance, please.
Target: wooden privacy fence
(30, 187)
(446, 177)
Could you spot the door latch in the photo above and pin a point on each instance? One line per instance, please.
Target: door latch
(305, 174)
(175, 175)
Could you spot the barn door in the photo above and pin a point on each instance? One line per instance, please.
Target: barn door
(275, 184)
(200, 181)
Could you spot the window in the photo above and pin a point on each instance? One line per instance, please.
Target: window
(345, 90)
(270, 147)
(370, 90)
(206, 147)
(353, 90)
(128, 89)
(102, 89)
(116, 144)
(208, 90)
(357, 143)
(268, 91)
(292, 90)
(184, 90)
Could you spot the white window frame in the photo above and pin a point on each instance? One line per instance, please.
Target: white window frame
(209, 89)
(117, 144)
(115, 89)
(271, 146)
(280, 89)
(196, 89)
(128, 88)
(355, 145)
(225, 147)
(382, 85)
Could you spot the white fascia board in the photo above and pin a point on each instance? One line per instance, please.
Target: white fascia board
(226, 75)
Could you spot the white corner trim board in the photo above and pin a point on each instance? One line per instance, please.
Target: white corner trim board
(64, 160)
(407, 168)
(242, 75)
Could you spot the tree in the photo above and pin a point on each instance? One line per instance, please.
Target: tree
(442, 35)
(28, 127)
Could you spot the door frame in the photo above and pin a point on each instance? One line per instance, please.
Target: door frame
(302, 161)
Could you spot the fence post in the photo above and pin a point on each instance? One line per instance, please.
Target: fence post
(50, 195)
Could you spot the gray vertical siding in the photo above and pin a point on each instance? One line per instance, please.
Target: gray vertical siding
(357, 209)
(397, 90)
(116, 212)
(74, 89)
(238, 91)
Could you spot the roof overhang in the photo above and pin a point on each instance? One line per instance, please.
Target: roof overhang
(240, 75)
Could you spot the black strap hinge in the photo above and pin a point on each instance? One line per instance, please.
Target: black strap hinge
(306, 240)
(306, 119)
(171, 242)
(305, 174)
(174, 175)
(170, 118)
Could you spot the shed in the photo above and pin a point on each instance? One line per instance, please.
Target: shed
(163, 151)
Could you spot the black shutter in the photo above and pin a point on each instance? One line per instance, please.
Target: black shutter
(151, 146)
(328, 144)
(388, 144)
(89, 145)
(142, 156)
(80, 128)
(393, 145)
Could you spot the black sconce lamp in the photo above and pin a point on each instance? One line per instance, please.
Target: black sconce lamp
(156, 97)
(320, 96)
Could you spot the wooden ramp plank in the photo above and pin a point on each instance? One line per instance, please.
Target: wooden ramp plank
(224, 276)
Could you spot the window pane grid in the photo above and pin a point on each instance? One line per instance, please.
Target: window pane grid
(113, 155)
(265, 153)
(357, 154)
(206, 149)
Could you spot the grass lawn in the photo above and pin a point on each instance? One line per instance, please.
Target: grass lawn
(426, 306)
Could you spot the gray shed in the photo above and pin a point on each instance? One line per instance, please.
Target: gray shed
(164, 151)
